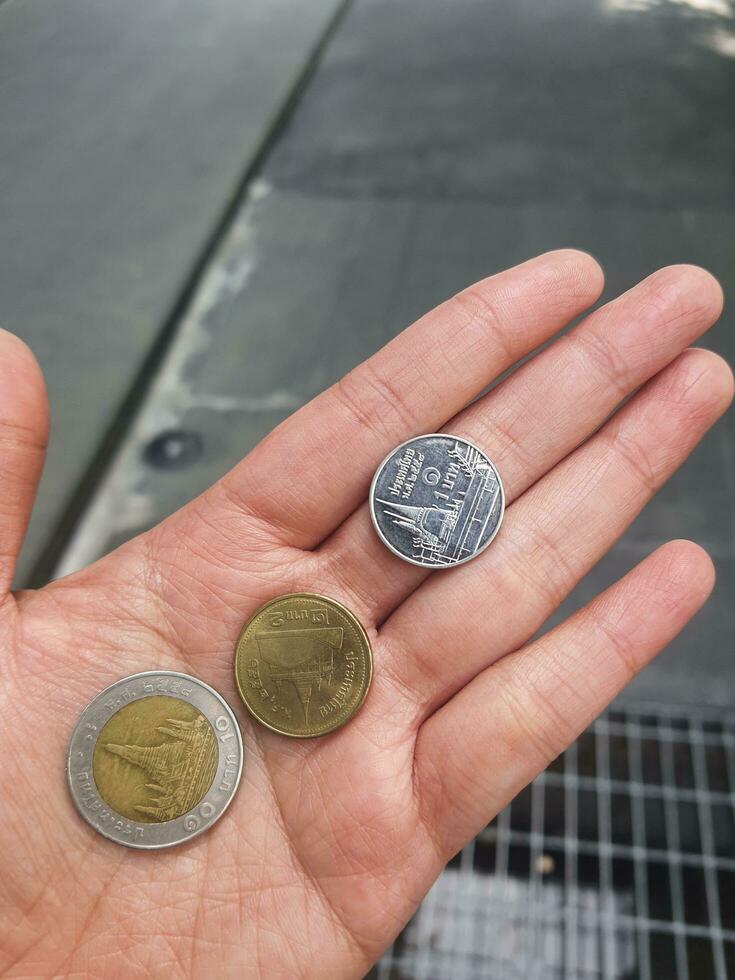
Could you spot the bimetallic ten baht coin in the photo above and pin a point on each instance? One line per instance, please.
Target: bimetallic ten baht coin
(303, 665)
(155, 759)
(437, 501)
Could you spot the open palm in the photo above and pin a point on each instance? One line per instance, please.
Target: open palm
(330, 844)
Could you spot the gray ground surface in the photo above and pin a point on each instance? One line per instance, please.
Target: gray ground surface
(124, 133)
(435, 144)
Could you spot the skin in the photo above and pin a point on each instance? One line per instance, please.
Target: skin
(330, 844)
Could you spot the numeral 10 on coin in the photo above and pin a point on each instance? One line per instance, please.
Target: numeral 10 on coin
(224, 728)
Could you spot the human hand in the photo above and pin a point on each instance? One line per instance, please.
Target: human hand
(330, 844)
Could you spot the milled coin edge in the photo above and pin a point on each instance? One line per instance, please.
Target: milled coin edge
(374, 519)
(368, 673)
(104, 832)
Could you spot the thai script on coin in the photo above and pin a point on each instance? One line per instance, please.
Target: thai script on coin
(155, 759)
(303, 665)
(437, 501)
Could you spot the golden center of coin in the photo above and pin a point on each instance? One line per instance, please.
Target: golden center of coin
(303, 665)
(155, 759)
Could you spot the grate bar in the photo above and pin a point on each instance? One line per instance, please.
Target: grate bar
(502, 867)
(671, 818)
(531, 949)
(571, 879)
(619, 850)
(664, 732)
(635, 764)
(708, 849)
(641, 788)
(604, 820)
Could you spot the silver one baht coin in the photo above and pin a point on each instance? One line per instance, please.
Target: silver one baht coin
(155, 759)
(437, 501)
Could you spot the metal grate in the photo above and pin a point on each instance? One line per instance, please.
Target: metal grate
(617, 862)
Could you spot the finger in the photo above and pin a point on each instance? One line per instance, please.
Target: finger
(313, 470)
(544, 410)
(523, 711)
(23, 435)
(554, 534)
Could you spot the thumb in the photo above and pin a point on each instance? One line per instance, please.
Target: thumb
(23, 435)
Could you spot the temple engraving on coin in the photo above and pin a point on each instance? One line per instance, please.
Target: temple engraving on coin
(303, 665)
(152, 769)
(178, 767)
(437, 501)
(303, 658)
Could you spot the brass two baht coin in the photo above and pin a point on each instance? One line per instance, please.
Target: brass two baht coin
(155, 759)
(303, 665)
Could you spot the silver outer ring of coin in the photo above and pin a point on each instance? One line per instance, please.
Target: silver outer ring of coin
(149, 836)
(387, 542)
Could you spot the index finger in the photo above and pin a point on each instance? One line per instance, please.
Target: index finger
(311, 472)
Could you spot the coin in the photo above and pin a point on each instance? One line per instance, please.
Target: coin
(303, 665)
(437, 501)
(154, 760)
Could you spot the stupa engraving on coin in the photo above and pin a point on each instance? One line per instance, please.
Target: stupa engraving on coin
(437, 501)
